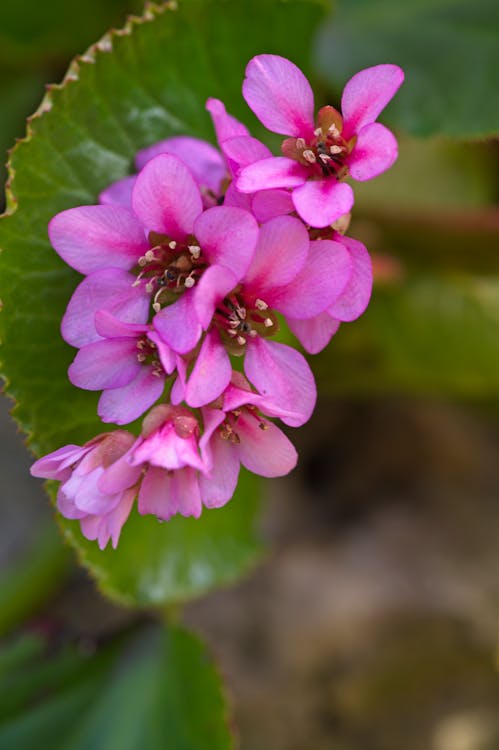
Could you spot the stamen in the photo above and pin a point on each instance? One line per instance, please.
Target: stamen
(194, 250)
(335, 149)
(156, 306)
(253, 333)
(141, 357)
(149, 256)
(149, 286)
(309, 156)
(232, 332)
(142, 260)
(324, 158)
(300, 143)
(333, 130)
(260, 304)
(241, 340)
(189, 282)
(268, 322)
(172, 245)
(318, 132)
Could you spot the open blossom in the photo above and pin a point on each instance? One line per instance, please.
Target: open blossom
(288, 275)
(80, 469)
(318, 156)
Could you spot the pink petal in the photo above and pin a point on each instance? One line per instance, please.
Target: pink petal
(119, 476)
(214, 285)
(355, 297)
(204, 162)
(225, 125)
(234, 198)
(324, 277)
(108, 326)
(111, 289)
(177, 393)
(279, 95)
(367, 94)
(314, 334)
(227, 237)
(117, 518)
(105, 364)
(212, 418)
(375, 151)
(125, 404)
(155, 494)
(266, 452)
(322, 202)
(280, 254)
(178, 325)
(90, 238)
(166, 197)
(268, 204)
(67, 508)
(119, 193)
(244, 150)
(282, 376)
(90, 499)
(211, 374)
(219, 486)
(275, 172)
(185, 492)
(56, 465)
(167, 357)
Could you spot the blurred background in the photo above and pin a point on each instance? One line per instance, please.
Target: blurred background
(372, 623)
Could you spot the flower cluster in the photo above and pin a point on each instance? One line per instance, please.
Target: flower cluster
(187, 266)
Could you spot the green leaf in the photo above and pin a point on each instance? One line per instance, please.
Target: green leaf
(447, 48)
(131, 90)
(153, 689)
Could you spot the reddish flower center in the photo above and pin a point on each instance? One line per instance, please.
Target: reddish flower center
(147, 354)
(228, 428)
(239, 317)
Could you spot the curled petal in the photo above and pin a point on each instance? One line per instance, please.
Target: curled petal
(375, 152)
(205, 163)
(283, 377)
(275, 172)
(322, 202)
(90, 238)
(367, 94)
(279, 95)
(57, 465)
(178, 325)
(166, 197)
(111, 289)
(108, 326)
(316, 333)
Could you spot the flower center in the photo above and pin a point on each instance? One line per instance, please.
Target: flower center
(169, 268)
(228, 428)
(238, 318)
(325, 153)
(147, 354)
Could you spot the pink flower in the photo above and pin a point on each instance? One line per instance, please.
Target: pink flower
(129, 364)
(288, 275)
(317, 157)
(82, 469)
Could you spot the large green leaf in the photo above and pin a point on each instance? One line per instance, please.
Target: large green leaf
(448, 49)
(132, 89)
(153, 689)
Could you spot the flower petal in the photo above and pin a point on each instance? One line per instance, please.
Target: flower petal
(322, 202)
(275, 172)
(234, 198)
(110, 363)
(375, 151)
(214, 285)
(316, 333)
(90, 238)
(119, 476)
(243, 150)
(280, 254)
(283, 377)
(119, 193)
(279, 95)
(219, 486)
(56, 465)
(111, 289)
(226, 126)
(267, 204)
(367, 94)
(178, 325)
(167, 357)
(108, 326)
(227, 237)
(116, 519)
(185, 492)
(205, 163)
(267, 452)
(155, 494)
(355, 297)
(166, 197)
(323, 278)
(211, 374)
(125, 404)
